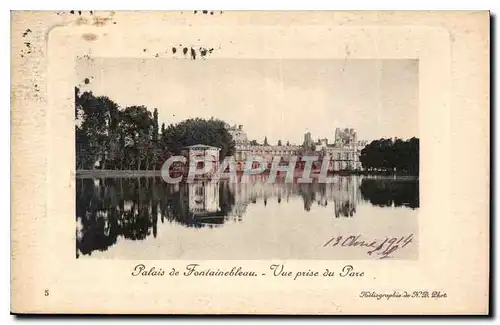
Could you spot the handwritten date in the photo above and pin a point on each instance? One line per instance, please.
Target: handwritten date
(382, 248)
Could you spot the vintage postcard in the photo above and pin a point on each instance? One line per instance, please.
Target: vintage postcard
(213, 162)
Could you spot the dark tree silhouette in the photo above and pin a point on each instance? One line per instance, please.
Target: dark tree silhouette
(395, 156)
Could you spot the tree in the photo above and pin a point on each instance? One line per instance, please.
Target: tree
(279, 143)
(265, 141)
(137, 125)
(189, 132)
(254, 143)
(157, 151)
(288, 143)
(392, 156)
(162, 146)
(162, 129)
(96, 129)
(155, 125)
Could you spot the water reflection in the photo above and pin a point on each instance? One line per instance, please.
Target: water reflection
(131, 208)
(386, 192)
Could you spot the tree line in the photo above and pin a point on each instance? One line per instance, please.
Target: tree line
(388, 155)
(130, 138)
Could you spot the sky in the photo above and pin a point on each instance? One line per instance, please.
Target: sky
(280, 99)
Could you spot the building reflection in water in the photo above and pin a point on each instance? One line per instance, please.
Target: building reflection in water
(131, 208)
(343, 194)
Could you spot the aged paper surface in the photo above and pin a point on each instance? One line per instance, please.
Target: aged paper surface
(390, 74)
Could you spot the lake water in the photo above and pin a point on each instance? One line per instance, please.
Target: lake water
(355, 217)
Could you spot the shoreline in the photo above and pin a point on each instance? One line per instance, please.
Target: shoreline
(108, 173)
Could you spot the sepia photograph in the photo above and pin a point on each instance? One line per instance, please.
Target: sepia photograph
(250, 162)
(231, 159)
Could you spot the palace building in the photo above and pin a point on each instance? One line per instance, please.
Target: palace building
(343, 153)
(239, 136)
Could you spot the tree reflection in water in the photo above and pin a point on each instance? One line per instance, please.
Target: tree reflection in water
(389, 192)
(130, 208)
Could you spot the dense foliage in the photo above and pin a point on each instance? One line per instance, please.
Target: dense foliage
(392, 155)
(111, 137)
(199, 131)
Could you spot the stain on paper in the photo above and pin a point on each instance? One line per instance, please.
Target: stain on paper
(89, 37)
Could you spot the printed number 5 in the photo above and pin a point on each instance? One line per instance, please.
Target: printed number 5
(46, 293)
